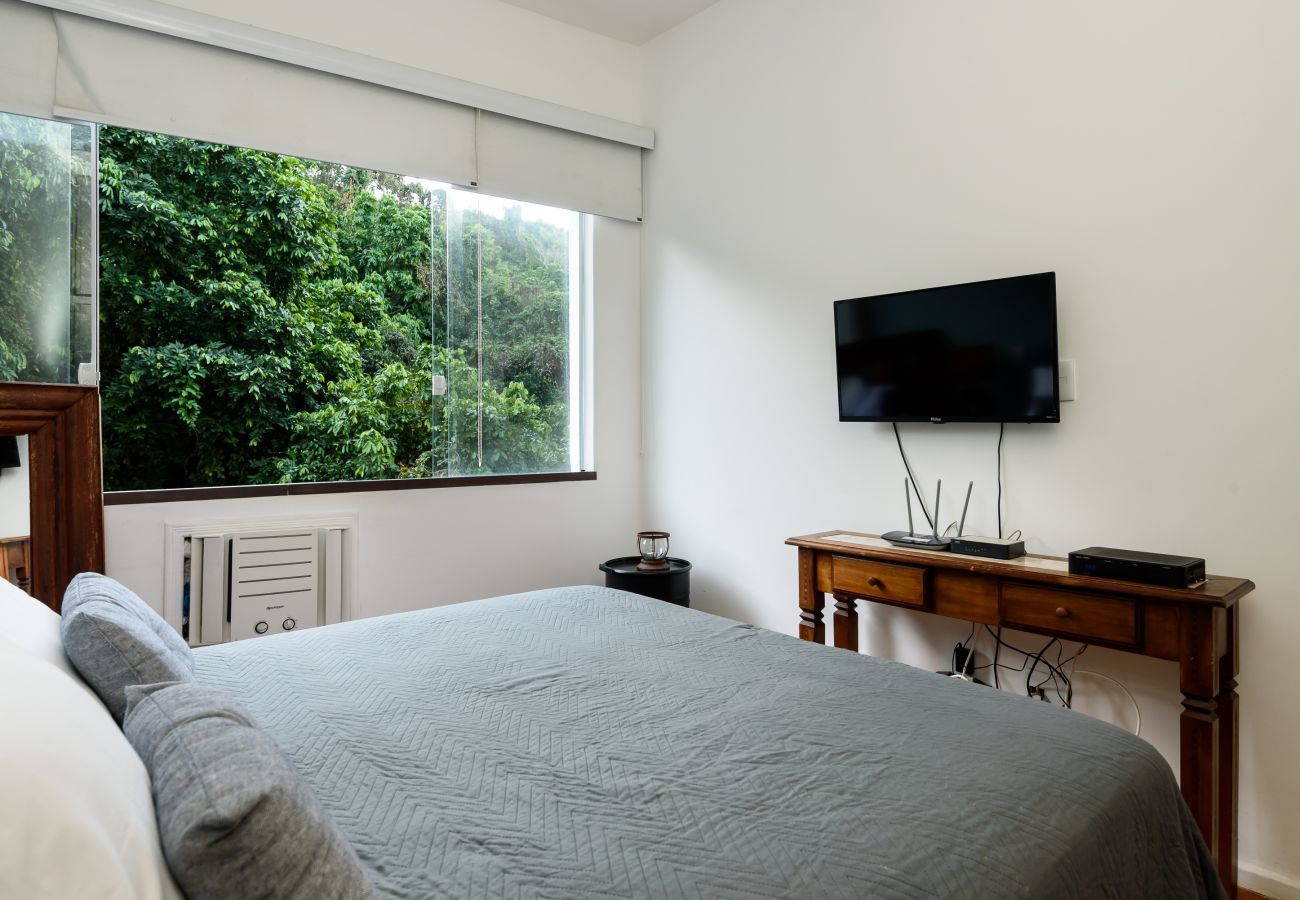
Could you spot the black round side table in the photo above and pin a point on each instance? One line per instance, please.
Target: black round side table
(672, 584)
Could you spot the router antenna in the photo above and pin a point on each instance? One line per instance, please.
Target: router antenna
(934, 525)
(909, 538)
(961, 527)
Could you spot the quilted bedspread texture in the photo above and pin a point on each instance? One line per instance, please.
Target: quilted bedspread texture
(588, 743)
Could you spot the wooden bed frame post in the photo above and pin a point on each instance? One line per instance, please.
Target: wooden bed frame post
(61, 422)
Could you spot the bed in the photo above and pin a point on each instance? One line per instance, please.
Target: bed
(583, 742)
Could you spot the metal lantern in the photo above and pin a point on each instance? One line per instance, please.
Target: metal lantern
(653, 546)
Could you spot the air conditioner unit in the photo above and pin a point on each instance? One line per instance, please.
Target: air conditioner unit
(274, 581)
(244, 583)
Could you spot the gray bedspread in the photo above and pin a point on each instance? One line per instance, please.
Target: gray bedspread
(584, 742)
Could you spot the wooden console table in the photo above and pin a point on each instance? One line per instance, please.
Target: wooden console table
(16, 561)
(1196, 627)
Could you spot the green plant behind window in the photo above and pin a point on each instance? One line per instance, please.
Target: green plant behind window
(271, 319)
(45, 296)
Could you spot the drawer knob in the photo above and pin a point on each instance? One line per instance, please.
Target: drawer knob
(875, 582)
(1062, 612)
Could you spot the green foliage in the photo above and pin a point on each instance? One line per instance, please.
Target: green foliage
(270, 319)
(517, 437)
(525, 297)
(41, 240)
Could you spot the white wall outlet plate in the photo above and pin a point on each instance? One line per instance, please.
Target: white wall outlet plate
(1067, 379)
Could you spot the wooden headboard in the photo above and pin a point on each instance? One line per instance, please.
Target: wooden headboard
(61, 422)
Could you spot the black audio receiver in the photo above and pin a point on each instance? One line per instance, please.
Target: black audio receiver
(1135, 565)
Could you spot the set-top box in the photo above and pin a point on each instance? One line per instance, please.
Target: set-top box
(1135, 565)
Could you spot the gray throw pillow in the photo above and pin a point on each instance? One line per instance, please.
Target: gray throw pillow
(114, 640)
(236, 820)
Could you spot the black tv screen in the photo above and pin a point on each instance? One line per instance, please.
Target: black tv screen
(980, 352)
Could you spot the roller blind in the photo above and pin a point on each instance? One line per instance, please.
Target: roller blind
(28, 49)
(55, 63)
(118, 75)
(526, 161)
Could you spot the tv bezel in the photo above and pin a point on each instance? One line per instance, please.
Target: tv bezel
(940, 420)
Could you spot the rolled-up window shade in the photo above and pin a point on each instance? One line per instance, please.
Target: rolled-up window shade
(118, 75)
(526, 161)
(55, 63)
(28, 47)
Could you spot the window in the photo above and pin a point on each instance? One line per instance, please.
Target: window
(506, 335)
(269, 319)
(47, 276)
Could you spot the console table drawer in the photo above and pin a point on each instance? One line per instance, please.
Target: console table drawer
(1087, 617)
(880, 581)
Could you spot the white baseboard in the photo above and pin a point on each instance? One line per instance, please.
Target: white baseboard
(1269, 883)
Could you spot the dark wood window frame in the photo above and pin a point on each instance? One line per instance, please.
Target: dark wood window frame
(176, 495)
(61, 423)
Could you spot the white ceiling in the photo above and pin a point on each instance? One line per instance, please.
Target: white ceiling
(634, 21)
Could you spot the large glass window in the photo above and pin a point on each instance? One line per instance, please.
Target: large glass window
(47, 274)
(267, 319)
(508, 336)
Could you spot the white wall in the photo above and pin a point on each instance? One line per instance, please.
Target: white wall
(1146, 152)
(483, 41)
(429, 547)
(15, 497)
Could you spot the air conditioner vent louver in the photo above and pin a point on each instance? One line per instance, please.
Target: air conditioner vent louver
(274, 579)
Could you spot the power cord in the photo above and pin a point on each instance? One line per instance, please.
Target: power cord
(963, 655)
(1056, 670)
(1037, 689)
(997, 649)
(1002, 431)
(1137, 710)
(963, 660)
(912, 478)
(1058, 676)
(1055, 675)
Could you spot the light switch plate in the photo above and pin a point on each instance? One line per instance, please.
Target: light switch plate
(1068, 380)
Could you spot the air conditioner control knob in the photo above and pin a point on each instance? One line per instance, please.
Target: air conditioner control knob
(289, 624)
(261, 627)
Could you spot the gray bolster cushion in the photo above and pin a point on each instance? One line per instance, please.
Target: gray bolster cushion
(114, 640)
(236, 819)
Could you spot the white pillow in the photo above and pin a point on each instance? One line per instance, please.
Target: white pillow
(32, 625)
(78, 813)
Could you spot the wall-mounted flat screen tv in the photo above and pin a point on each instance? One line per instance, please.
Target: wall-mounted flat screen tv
(980, 352)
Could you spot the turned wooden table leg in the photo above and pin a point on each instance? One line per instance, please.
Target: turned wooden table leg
(811, 600)
(1226, 846)
(1229, 751)
(1199, 775)
(846, 622)
(1208, 734)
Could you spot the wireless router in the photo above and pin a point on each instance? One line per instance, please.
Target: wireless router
(910, 538)
(989, 547)
(992, 548)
